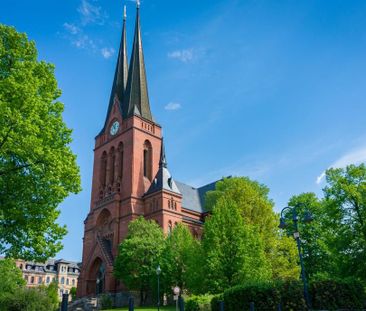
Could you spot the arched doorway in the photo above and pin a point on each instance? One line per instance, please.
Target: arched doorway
(96, 277)
(100, 282)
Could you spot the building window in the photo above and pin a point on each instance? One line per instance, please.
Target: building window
(67, 281)
(26, 278)
(21, 267)
(73, 282)
(40, 280)
(112, 161)
(147, 160)
(103, 169)
(32, 279)
(62, 280)
(120, 164)
(47, 279)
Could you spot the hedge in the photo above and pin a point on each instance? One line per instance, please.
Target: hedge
(338, 294)
(198, 303)
(329, 295)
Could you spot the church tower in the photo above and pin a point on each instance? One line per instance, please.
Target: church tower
(130, 175)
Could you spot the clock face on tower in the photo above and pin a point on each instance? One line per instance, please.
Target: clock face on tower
(114, 128)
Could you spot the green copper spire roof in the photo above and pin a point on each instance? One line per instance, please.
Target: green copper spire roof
(120, 75)
(163, 179)
(136, 98)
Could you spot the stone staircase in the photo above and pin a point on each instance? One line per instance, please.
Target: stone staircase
(84, 304)
(106, 247)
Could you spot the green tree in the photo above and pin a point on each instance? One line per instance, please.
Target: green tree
(314, 235)
(139, 256)
(345, 203)
(233, 250)
(179, 260)
(37, 167)
(257, 211)
(11, 280)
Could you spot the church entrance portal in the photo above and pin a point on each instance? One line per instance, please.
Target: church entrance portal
(96, 279)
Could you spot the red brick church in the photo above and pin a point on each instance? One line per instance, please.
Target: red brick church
(130, 175)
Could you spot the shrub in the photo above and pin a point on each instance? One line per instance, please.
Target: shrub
(325, 294)
(291, 295)
(198, 303)
(105, 302)
(338, 294)
(265, 296)
(30, 299)
(215, 301)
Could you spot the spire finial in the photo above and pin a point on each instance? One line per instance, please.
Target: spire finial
(124, 13)
(162, 162)
(138, 4)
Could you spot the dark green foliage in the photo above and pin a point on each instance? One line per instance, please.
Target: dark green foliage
(30, 299)
(198, 303)
(340, 294)
(73, 293)
(106, 302)
(264, 295)
(14, 296)
(139, 255)
(215, 301)
(292, 295)
(346, 294)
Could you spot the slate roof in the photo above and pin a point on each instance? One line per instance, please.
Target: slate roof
(163, 179)
(120, 75)
(136, 97)
(194, 198)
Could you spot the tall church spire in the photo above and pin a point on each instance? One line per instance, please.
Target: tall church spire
(136, 98)
(120, 75)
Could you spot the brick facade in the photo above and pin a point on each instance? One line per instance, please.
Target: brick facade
(125, 181)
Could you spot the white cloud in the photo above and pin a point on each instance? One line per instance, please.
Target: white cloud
(185, 55)
(107, 52)
(357, 156)
(71, 28)
(91, 14)
(173, 106)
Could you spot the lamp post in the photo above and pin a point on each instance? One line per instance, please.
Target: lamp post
(307, 218)
(158, 271)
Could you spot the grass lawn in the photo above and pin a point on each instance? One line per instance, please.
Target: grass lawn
(169, 308)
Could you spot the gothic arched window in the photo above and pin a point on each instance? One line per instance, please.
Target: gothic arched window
(147, 160)
(120, 162)
(112, 158)
(103, 169)
(170, 226)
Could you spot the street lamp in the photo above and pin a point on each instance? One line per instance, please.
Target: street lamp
(307, 219)
(158, 271)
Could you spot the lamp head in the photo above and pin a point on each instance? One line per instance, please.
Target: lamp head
(282, 224)
(158, 270)
(308, 217)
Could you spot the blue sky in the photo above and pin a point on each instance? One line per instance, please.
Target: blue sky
(273, 90)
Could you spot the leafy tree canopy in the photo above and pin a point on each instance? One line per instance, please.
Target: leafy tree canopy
(180, 260)
(37, 167)
(234, 251)
(139, 255)
(256, 210)
(345, 209)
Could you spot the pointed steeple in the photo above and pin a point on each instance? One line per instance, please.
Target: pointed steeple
(120, 75)
(162, 162)
(163, 179)
(136, 98)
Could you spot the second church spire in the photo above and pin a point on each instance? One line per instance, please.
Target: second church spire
(136, 98)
